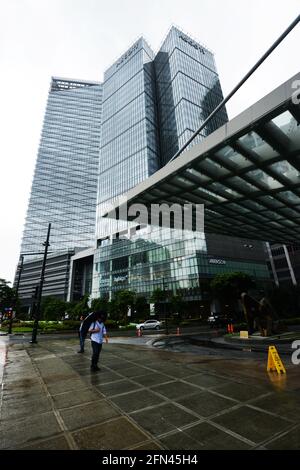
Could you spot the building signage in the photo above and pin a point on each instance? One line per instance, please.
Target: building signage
(128, 53)
(192, 43)
(217, 261)
(120, 278)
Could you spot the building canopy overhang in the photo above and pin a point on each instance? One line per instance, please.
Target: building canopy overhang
(246, 173)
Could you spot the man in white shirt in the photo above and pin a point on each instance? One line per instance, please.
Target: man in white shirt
(97, 331)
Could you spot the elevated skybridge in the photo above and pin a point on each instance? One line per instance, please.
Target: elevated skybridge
(246, 173)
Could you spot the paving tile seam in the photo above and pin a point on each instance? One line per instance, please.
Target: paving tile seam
(160, 395)
(71, 442)
(280, 434)
(184, 408)
(183, 379)
(249, 402)
(39, 441)
(136, 447)
(145, 408)
(152, 370)
(208, 421)
(275, 415)
(208, 389)
(68, 391)
(172, 379)
(235, 400)
(180, 429)
(91, 426)
(123, 413)
(77, 405)
(141, 389)
(231, 433)
(159, 405)
(202, 419)
(111, 420)
(132, 421)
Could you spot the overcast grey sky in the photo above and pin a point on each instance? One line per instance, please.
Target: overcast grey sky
(81, 38)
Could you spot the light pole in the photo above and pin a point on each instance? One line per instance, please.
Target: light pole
(165, 307)
(40, 289)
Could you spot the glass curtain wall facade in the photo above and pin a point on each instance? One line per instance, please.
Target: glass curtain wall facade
(64, 188)
(188, 90)
(151, 106)
(149, 259)
(129, 143)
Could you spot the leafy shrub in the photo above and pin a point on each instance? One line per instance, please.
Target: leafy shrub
(112, 324)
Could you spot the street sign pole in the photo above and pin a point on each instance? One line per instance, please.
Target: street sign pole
(39, 297)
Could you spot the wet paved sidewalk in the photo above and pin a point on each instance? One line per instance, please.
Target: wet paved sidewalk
(144, 399)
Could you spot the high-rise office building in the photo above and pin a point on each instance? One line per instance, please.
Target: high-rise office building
(99, 140)
(129, 143)
(151, 106)
(64, 187)
(188, 90)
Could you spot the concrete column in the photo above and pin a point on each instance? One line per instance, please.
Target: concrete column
(272, 264)
(286, 252)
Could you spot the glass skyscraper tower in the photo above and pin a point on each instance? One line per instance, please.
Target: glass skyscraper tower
(151, 106)
(188, 90)
(129, 137)
(64, 188)
(99, 140)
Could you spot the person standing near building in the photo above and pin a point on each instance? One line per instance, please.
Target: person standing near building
(81, 335)
(97, 331)
(84, 328)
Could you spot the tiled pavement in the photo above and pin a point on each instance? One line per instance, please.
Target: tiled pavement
(144, 399)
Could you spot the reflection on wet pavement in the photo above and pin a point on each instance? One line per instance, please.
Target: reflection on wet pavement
(148, 399)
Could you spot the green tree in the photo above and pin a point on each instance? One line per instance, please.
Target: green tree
(70, 307)
(228, 287)
(118, 307)
(141, 306)
(7, 295)
(53, 308)
(81, 308)
(158, 297)
(101, 303)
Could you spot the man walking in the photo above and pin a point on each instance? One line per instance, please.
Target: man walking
(97, 331)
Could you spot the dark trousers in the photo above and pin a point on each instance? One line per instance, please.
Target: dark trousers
(96, 352)
(81, 341)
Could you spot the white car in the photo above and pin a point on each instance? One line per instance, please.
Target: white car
(149, 325)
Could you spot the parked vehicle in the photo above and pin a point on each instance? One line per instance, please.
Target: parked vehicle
(149, 325)
(219, 320)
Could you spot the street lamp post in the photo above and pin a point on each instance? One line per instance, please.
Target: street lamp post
(165, 307)
(16, 293)
(39, 296)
